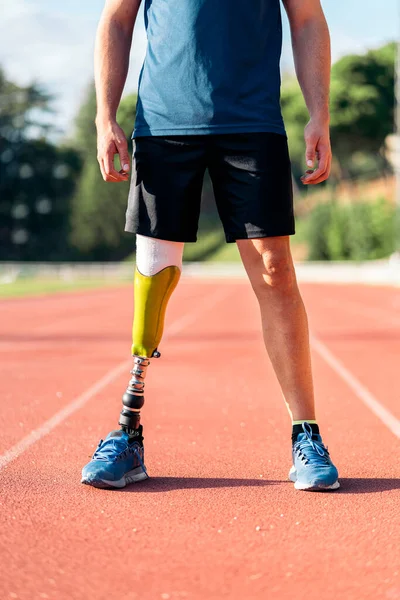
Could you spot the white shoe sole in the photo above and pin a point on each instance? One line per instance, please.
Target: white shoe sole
(307, 486)
(133, 476)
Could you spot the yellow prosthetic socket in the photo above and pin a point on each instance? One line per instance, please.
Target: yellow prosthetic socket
(152, 294)
(151, 298)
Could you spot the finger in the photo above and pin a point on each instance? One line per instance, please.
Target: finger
(107, 172)
(323, 177)
(328, 171)
(312, 177)
(106, 177)
(316, 181)
(316, 177)
(123, 154)
(311, 143)
(323, 164)
(101, 165)
(110, 171)
(125, 176)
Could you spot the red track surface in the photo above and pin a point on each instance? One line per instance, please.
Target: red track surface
(218, 519)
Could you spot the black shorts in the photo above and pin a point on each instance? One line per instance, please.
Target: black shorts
(251, 177)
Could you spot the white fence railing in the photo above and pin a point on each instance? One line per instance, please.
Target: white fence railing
(385, 272)
(11, 271)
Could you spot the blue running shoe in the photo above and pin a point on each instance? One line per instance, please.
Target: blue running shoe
(312, 466)
(117, 461)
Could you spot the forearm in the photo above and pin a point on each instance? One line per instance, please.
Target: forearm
(312, 57)
(112, 49)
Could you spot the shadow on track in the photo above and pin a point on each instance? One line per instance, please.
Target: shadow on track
(364, 485)
(349, 485)
(167, 484)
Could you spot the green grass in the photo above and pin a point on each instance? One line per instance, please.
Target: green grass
(301, 231)
(209, 242)
(225, 253)
(41, 287)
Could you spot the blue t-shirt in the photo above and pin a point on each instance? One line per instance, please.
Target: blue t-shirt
(212, 66)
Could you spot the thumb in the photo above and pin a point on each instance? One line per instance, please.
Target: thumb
(310, 153)
(124, 160)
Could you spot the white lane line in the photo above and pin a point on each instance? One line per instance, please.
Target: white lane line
(62, 414)
(44, 429)
(358, 388)
(368, 311)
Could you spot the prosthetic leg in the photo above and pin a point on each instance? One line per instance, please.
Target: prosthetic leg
(158, 269)
(119, 458)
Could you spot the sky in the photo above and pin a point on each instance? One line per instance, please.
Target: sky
(52, 43)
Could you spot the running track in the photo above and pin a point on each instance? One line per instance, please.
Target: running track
(217, 519)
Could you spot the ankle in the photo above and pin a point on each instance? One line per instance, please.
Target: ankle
(297, 428)
(135, 435)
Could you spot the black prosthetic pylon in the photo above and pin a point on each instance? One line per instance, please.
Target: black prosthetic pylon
(133, 399)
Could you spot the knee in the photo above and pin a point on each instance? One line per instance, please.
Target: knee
(277, 274)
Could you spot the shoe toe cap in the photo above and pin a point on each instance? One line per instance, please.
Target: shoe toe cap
(325, 477)
(318, 477)
(94, 471)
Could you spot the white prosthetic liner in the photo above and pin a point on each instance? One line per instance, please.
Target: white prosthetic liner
(153, 255)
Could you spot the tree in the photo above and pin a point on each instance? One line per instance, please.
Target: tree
(362, 102)
(36, 177)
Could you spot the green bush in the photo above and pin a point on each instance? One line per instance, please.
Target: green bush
(359, 231)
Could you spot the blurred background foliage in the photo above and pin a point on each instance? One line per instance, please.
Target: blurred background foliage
(37, 178)
(98, 208)
(359, 231)
(54, 204)
(362, 115)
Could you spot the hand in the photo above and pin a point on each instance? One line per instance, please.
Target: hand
(318, 146)
(111, 140)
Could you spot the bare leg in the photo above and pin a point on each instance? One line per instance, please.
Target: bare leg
(269, 265)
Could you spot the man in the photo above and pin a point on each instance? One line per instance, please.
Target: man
(209, 98)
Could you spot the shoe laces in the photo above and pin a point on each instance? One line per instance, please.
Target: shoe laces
(309, 449)
(134, 449)
(112, 450)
